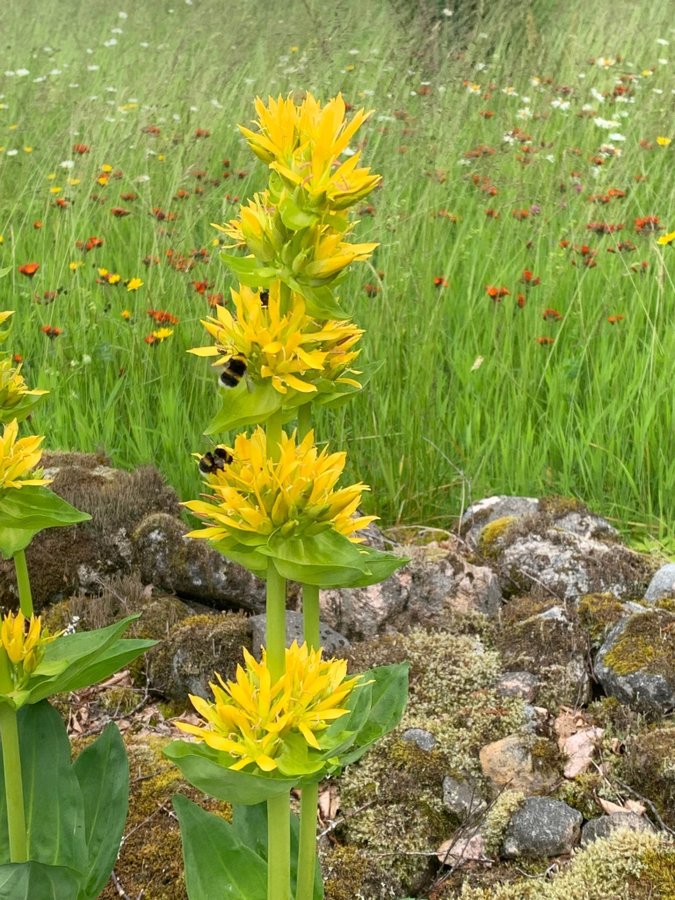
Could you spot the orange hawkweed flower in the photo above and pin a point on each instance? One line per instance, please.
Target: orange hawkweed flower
(29, 269)
(81, 149)
(545, 340)
(552, 314)
(440, 282)
(119, 212)
(614, 319)
(496, 293)
(51, 331)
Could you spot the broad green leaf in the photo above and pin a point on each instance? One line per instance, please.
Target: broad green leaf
(35, 881)
(53, 802)
(22, 409)
(207, 770)
(84, 658)
(245, 405)
(294, 217)
(102, 771)
(217, 864)
(28, 510)
(389, 694)
(320, 301)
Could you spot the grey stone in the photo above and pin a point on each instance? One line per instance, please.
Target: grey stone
(424, 739)
(168, 559)
(645, 646)
(333, 643)
(603, 826)
(462, 798)
(542, 827)
(662, 584)
(518, 684)
(480, 514)
(361, 613)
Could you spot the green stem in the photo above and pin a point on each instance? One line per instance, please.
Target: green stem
(23, 583)
(279, 848)
(11, 763)
(309, 801)
(275, 637)
(273, 431)
(304, 420)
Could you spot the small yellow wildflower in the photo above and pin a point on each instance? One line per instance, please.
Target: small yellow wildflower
(664, 141)
(287, 346)
(75, 265)
(134, 283)
(73, 182)
(666, 239)
(162, 334)
(27, 149)
(18, 458)
(257, 497)
(55, 189)
(23, 641)
(126, 314)
(2, 240)
(106, 167)
(252, 717)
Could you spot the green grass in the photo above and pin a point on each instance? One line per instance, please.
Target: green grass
(590, 415)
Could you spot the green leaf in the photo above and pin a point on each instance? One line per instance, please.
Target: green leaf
(217, 864)
(321, 301)
(53, 802)
(207, 770)
(294, 217)
(35, 881)
(26, 511)
(388, 697)
(245, 405)
(329, 559)
(102, 771)
(22, 409)
(83, 659)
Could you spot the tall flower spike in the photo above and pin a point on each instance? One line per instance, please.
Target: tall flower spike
(287, 347)
(18, 458)
(254, 497)
(253, 719)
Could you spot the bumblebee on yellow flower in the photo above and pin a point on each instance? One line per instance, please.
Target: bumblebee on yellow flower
(285, 346)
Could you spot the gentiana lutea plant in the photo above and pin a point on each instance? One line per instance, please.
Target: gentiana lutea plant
(61, 822)
(273, 502)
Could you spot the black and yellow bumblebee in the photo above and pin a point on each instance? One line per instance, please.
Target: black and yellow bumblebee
(233, 371)
(264, 299)
(214, 462)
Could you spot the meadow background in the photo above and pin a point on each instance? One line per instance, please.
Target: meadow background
(519, 302)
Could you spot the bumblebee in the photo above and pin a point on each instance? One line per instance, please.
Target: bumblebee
(214, 462)
(233, 371)
(264, 299)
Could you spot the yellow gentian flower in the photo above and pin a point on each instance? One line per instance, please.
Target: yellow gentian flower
(252, 717)
(18, 458)
(287, 346)
(13, 389)
(23, 641)
(255, 497)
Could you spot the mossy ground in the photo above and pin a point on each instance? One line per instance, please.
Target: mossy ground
(647, 643)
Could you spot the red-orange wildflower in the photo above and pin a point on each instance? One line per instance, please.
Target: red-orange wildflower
(529, 279)
(545, 340)
(521, 300)
(552, 314)
(162, 317)
(119, 212)
(614, 319)
(81, 149)
(29, 269)
(496, 293)
(440, 282)
(51, 331)
(372, 290)
(647, 224)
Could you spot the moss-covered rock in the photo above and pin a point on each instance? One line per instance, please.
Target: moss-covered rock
(543, 637)
(349, 875)
(199, 646)
(636, 663)
(598, 613)
(648, 765)
(627, 865)
(393, 799)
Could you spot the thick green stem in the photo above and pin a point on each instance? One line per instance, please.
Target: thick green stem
(279, 848)
(23, 583)
(273, 431)
(309, 802)
(276, 622)
(11, 763)
(304, 419)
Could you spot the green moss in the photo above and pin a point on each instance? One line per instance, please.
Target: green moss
(546, 754)
(627, 865)
(647, 642)
(648, 765)
(497, 819)
(582, 793)
(667, 603)
(598, 613)
(492, 531)
(348, 875)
